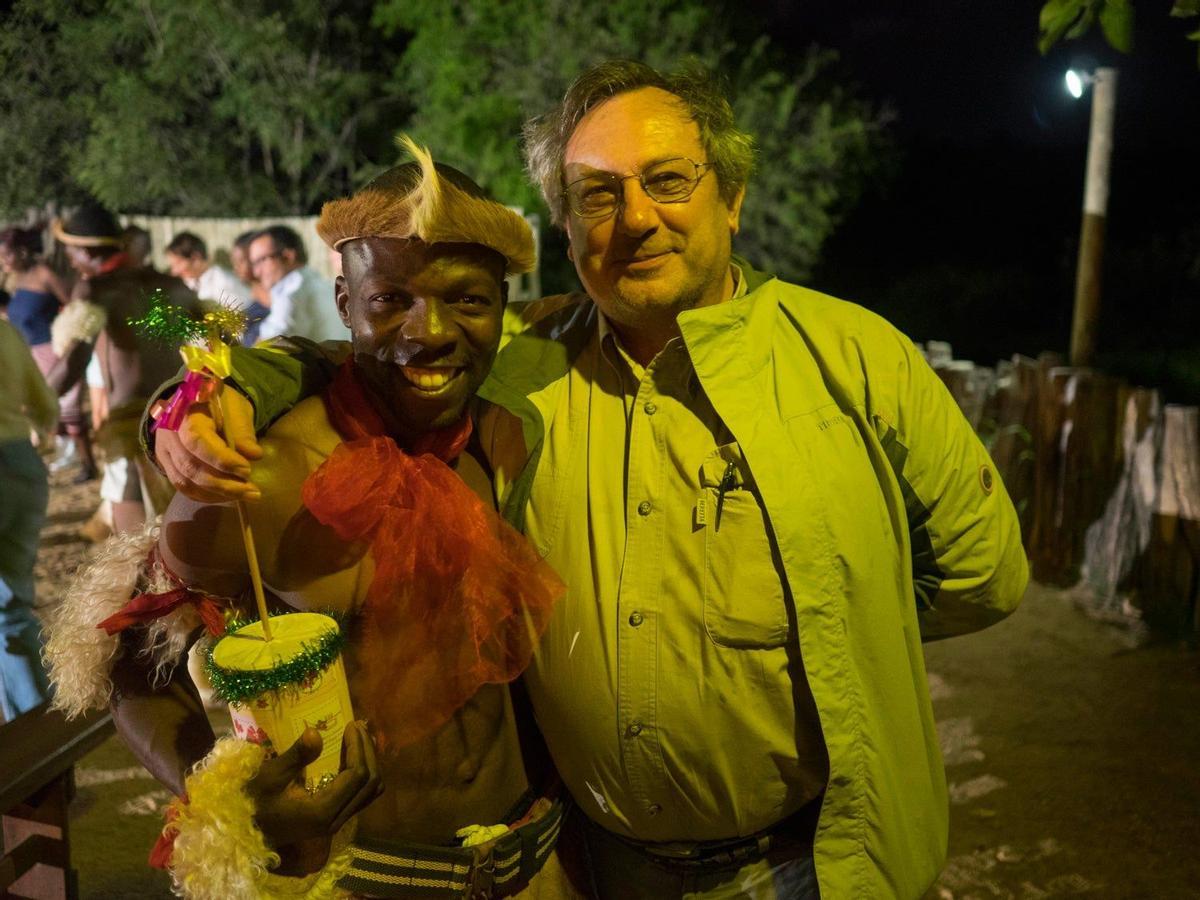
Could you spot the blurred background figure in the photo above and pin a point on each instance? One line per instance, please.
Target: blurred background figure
(26, 405)
(187, 259)
(301, 298)
(138, 246)
(38, 295)
(112, 292)
(260, 302)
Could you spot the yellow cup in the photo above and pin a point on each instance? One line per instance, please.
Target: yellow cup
(276, 718)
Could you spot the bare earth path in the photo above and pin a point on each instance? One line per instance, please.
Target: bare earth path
(1073, 758)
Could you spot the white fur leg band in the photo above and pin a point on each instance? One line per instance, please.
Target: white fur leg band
(220, 852)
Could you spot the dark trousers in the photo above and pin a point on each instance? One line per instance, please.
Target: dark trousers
(620, 871)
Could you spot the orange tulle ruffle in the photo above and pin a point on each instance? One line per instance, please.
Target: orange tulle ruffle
(459, 598)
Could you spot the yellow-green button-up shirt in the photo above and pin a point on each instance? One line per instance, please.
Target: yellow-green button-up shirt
(676, 613)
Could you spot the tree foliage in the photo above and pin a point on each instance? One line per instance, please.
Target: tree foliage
(1074, 18)
(217, 108)
(256, 107)
(476, 71)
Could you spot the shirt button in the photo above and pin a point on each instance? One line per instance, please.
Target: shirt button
(650, 408)
(635, 728)
(636, 619)
(644, 508)
(654, 809)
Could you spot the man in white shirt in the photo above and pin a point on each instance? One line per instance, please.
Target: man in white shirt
(187, 258)
(301, 299)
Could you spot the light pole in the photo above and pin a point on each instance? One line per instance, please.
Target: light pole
(1095, 209)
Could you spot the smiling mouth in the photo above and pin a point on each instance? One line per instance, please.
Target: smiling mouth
(431, 381)
(645, 261)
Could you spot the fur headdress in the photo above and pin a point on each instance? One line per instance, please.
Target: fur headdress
(433, 203)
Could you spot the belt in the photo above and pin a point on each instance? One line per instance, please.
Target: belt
(795, 832)
(499, 868)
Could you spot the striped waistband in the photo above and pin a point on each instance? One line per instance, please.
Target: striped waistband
(499, 868)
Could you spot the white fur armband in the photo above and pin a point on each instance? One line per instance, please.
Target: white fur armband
(220, 852)
(78, 655)
(79, 320)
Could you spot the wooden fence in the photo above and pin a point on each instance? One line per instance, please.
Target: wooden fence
(1105, 478)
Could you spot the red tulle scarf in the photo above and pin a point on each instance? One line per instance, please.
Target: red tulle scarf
(459, 599)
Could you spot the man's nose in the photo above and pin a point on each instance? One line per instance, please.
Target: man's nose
(636, 213)
(428, 323)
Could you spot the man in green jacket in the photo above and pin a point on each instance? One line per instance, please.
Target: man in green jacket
(762, 501)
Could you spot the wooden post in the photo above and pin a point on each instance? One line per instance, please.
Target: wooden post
(1075, 468)
(1168, 579)
(1011, 413)
(1116, 542)
(1095, 210)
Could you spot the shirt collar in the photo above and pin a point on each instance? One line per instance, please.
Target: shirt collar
(289, 283)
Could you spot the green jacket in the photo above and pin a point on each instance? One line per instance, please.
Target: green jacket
(890, 522)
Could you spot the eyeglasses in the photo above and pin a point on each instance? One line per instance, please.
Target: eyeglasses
(598, 195)
(255, 263)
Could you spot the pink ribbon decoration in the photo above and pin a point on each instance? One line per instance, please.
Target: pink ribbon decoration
(196, 387)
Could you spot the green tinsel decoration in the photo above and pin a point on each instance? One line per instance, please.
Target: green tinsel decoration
(167, 324)
(237, 687)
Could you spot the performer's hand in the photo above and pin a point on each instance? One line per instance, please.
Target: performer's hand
(287, 814)
(197, 460)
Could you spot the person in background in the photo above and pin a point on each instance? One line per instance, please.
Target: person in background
(138, 246)
(260, 303)
(187, 258)
(112, 292)
(300, 296)
(38, 296)
(26, 404)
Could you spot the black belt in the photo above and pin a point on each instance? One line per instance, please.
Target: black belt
(795, 832)
(499, 868)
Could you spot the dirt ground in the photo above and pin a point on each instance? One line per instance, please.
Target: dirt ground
(1072, 755)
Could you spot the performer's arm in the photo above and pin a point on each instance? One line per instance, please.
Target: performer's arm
(197, 460)
(165, 726)
(201, 544)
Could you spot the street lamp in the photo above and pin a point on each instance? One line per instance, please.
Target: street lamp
(1095, 208)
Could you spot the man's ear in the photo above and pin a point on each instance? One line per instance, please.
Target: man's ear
(735, 210)
(341, 296)
(503, 293)
(288, 255)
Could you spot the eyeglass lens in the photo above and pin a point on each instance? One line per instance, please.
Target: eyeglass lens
(669, 181)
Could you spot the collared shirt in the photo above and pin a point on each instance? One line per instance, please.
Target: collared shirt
(673, 702)
(218, 284)
(302, 304)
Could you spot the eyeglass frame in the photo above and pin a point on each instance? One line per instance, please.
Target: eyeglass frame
(255, 263)
(702, 169)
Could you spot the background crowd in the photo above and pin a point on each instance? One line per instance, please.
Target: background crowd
(71, 377)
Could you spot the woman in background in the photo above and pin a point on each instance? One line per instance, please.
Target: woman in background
(37, 297)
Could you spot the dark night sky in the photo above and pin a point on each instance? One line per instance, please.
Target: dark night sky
(974, 238)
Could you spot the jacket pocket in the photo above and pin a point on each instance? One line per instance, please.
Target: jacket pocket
(744, 603)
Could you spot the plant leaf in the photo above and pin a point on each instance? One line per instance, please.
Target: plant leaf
(1116, 21)
(1055, 18)
(1185, 8)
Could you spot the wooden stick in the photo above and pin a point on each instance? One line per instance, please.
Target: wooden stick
(243, 520)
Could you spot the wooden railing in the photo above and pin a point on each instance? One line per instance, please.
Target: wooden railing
(38, 752)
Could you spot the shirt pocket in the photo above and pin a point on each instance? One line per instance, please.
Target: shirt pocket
(744, 603)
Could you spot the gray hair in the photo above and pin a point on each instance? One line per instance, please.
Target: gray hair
(730, 151)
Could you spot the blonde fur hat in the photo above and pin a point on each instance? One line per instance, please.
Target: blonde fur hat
(433, 207)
